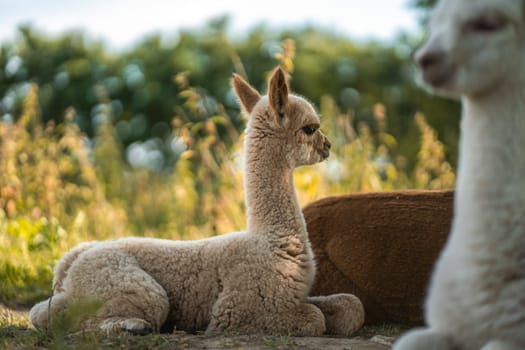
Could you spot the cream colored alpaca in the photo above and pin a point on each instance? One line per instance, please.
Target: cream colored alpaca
(250, 282)
(476, 49)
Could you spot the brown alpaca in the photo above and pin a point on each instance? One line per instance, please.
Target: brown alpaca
(256, 281)
(380, 247)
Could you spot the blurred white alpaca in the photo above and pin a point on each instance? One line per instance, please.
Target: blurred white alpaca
(476, 51)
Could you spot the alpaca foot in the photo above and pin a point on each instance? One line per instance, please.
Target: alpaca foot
(344, 313)
(135, 326)
(424, 338)
(38, 315)
(306, 321)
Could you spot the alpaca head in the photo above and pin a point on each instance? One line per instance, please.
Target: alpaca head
(474, 47)
(281, 124)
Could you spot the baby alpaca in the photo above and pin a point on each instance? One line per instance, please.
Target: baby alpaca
(255, 281)
(476, 50)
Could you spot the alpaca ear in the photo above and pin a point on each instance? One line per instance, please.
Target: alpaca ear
(247, 95)
(278, 91)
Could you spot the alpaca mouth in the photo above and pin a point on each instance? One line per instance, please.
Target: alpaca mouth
(325, 155)
(437, 76)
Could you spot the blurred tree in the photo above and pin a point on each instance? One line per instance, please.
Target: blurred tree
(425, 4)
(423, 7)
(143, 95)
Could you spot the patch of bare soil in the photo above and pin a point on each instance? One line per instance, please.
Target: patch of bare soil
(256, 342)
(16, 333)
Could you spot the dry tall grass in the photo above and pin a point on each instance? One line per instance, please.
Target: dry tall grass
(57, 189)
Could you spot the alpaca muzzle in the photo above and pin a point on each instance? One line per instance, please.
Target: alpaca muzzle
(325, 150)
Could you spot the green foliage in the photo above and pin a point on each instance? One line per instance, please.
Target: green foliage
(425, 4)
(139, 91)
(432, 170)
(47, 183)
(27, 254)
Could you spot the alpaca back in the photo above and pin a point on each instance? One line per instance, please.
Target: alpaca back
(381, 247)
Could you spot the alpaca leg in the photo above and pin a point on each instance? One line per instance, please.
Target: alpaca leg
(133, 325)
(426, 339)
(501, 345)
(138, 309)
(132, 300)
(229, 315)
(306, 320)
(39, 314)
(344, 313)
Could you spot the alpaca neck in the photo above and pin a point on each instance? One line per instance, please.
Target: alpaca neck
(490, 196)
(271, 202)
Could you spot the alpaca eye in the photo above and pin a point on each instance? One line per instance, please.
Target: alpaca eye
(486, 24)
(309, 130)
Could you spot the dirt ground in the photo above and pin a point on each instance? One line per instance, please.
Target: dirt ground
(259, 342)
(17, 333)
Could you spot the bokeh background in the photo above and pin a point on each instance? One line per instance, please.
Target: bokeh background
(117, 117)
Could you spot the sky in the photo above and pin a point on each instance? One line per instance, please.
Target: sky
(121, 23)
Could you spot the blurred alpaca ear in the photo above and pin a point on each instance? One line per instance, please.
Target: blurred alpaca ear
(278, 91)
(247, 95)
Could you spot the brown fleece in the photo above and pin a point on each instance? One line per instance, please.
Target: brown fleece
(380, 247)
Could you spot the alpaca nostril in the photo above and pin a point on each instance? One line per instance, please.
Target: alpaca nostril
(428, 59)
(327, 144)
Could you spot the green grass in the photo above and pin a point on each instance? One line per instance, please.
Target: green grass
(21, 337)
(17, 333)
